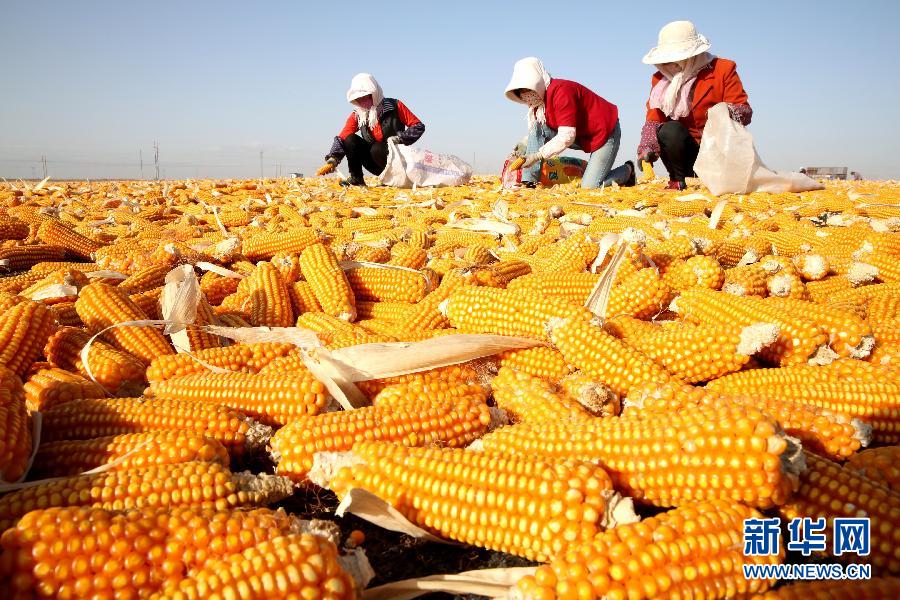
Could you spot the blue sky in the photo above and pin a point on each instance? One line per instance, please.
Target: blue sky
(88, 84)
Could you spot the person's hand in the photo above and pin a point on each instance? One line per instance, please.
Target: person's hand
(327, 168)
(516, 164)
(532, 159)
(395, 138)
(648, 156)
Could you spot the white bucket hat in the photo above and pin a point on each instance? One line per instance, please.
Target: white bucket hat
(678, 40)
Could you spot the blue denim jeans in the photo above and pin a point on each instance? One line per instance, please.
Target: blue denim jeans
(599, 164)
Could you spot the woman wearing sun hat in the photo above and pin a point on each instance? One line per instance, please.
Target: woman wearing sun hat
(564, 114)
(364, 138)
(688, 82)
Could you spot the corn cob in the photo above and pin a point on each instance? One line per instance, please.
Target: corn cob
(72, 457)
(216, 287)
(13, 229)
(242, 358)
(265, 246)
(117, 371)
(500, 274)
(575, 287)
(146, 279)
(270, 303)
(875, 588)
(50, 387)
(572, 255)
(101, 306)
(695, 353)
(871, 402)
(387, 285)
(134, 552)
(269, 400)
(727, 451)
(747, 280)
(812, 267)
(829, 490)
(13, 284)
(603, 357)
(450, 389)
(22, 258)
(883, 309)
(15, 427)
(202, 484)
(799, 337)
(303, 299)
(295, 564)
(529, 399)
(24, 329)
(693, 551)
(449, 374)
(87, 419)
(288, 266)
(328, 282)
(879, 465)
(540, 361)
(824, 289)
(54, 232)
(832, 434)
(641, 295)
(148, 302)
(427, 315)
(375, 254)
(408, 255)
(492, 310)
(596, 398)
(418, 422)
(697, 271)
(849, 334)
(476, 499)
(862, 294)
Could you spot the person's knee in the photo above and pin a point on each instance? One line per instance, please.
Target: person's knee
(672, 132)
(380, 153)
(353, 144)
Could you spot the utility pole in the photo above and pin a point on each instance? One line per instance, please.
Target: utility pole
(141, 157)
(44, 163)
(261, 177)
(33, 176)
(156, 158)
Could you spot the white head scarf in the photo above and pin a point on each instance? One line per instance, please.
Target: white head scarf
(530, 74)
(672, 93)
(363, 85)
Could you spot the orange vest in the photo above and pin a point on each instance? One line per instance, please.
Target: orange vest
(718, 82)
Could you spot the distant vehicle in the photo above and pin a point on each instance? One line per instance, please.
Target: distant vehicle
(825, 172)
(296, 175)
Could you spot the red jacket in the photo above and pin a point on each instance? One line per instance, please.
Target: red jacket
(352, 126)
(718, 82)
(570, 104)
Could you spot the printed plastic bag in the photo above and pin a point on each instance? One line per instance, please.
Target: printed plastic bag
(561, 169)
(407, 165)
(728, 161)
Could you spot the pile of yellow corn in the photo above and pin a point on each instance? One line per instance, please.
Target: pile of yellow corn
(744, 364)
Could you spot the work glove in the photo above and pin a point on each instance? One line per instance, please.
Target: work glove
(516, 163)
(648, 156)
(531, 159)
(328, 167)
(395, 138)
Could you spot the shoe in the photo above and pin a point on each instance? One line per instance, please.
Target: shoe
(674, 184)
(354, 180)
(632, 179)
(529, 184)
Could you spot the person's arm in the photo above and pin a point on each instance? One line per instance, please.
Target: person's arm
(566, 110)
(736, 98)
(414, 127)
(648, 147)
(337, 151)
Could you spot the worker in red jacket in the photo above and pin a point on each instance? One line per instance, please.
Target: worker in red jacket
(374, 121)
(564, 114)
(688, 82)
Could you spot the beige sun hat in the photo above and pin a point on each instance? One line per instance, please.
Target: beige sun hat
(678, 40)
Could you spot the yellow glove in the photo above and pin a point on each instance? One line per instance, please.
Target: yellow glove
(327, 168)
(517, 163)
(647, 168)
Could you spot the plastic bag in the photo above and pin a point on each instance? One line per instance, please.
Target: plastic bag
(561, 169)
(728, 161)
(407, 165)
